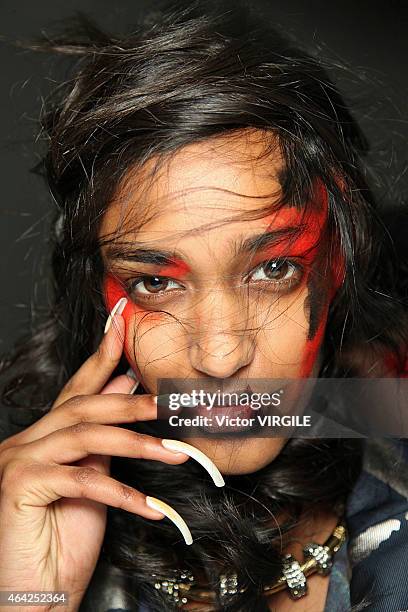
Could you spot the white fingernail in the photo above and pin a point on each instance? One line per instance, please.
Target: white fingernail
(160, 506)
(117, 309)
(133, 389)
(199, 456)
(130, 372)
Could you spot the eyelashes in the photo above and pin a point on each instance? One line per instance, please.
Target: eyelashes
(278, 275)
(277, 270)
(153, 284)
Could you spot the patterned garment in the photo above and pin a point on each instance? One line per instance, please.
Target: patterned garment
(370, 571)
(377, 517)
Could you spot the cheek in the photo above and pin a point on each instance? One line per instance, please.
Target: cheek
(293, 331)
(283, 339)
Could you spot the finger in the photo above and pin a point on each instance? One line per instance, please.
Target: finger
(120, 384)
(33, 485)
(97, 462)
(106, 408)
(77, 441)
(97, 369)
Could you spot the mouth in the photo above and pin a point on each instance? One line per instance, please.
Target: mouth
(218, 411)
(231, 418)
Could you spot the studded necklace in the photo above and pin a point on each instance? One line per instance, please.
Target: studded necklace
(181, 587)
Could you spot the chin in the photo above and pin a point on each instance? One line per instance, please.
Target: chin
(236, 456)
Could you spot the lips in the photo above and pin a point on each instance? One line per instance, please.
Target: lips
(233, 410)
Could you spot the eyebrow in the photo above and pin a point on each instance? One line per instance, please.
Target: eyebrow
(161, 257)
(266, 239)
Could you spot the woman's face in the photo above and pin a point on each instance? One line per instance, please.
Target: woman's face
(234, 299)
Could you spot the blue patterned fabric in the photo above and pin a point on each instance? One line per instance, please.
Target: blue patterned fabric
(338, 595)
(377, 517)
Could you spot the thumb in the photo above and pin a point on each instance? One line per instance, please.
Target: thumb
(121, 384)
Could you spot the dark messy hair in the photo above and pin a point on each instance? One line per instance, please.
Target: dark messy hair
(180, 77)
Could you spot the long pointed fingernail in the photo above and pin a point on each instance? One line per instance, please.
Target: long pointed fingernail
(118, 308)
(199, 456)
(160, 506)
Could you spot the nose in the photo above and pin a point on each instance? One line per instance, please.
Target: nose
(221, 345)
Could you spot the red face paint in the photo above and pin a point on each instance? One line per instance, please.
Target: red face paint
(313, 246)
(113, 291)
(177, 269)
(308, 242)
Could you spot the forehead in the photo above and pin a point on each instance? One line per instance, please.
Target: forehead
(216, 179)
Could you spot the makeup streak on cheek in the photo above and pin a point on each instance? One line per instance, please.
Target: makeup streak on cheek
(311, 350)
(316, 310)
(177, 269)
(113, 291)
(313, 246)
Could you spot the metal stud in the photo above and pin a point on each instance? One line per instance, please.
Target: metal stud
(321, 554)
(295, 578)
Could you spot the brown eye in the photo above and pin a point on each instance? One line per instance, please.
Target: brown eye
(153, 284)
(276, 270)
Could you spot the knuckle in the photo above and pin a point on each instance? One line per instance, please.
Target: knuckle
(101, 353)
(126, 494)
(80, 427)
(74, 404)
(104, 354)
(124, 406)
(85, 475)
(132, 400)
(13, 474)
(138, 441)
(7, 452)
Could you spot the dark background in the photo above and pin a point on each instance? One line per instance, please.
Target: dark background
(369, 35)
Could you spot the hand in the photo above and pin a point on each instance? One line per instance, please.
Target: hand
(55, 482)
